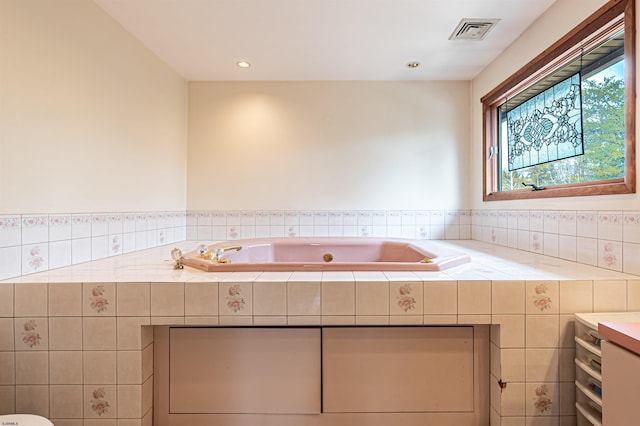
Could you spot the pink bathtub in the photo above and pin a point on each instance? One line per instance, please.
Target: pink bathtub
(324, 254)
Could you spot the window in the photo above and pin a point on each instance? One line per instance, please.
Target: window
(564, 125)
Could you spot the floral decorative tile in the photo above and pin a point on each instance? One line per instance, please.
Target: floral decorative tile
(291, 218)
(305, 217)
(536, 244)
(129, 222)
(115, 242)
(335, 218)
(100, 402)
(35, 229)
(35, 258)
(550, 222)
(30, 335)
(80, 226)
(523, 220)
(99, 225)
(536, 220)
(631, 227)
(610, 225)
(98, 301)
(59, 227)
(541, 401)
(292, 231)
(141, 222)
(406, 298)
(235, 299)
(542, 297)
(566, 222)
(437, 217)
(10, 231)
(610, 255)
(587, 224)
(262, 217)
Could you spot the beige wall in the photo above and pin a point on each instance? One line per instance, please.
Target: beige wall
(563, 16)
(90, 120)
(328, 145)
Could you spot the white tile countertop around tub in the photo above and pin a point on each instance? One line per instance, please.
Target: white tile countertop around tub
(488, 262)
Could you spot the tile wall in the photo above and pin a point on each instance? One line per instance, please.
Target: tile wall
(65, 365)
(82, 352)
(605, 239)
(36, 243)
(420, 224)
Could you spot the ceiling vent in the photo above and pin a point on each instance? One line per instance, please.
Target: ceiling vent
(473, 29)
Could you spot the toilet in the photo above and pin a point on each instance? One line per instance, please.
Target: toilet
(24, 420)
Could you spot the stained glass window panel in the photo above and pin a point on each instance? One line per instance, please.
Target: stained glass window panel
(547, 127)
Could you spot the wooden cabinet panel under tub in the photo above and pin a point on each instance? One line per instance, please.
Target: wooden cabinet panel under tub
(244, 370)
(397, 369)
(321, 376)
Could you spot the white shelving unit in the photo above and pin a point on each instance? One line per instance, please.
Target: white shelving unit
(588, 362)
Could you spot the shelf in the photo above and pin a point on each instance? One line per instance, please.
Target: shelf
(589, 414)
(589, 393)
(590, 371)
(588, 346)
(622, 372)
(590, 320)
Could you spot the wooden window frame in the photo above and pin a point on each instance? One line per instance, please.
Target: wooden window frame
(493, 99)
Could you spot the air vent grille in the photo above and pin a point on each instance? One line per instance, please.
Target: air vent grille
(473, 29)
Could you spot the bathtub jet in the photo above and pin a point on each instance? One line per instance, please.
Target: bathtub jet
(324, 254)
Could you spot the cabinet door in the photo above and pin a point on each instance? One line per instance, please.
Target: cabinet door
(244, 370)
(620, 386)
(396, 370)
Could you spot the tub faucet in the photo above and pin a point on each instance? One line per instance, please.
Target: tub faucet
(218, 252)
(176, 255)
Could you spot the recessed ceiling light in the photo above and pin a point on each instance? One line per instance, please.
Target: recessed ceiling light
(243, 64)
(413, 64)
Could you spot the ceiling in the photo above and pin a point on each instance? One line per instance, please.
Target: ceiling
(322, 39)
